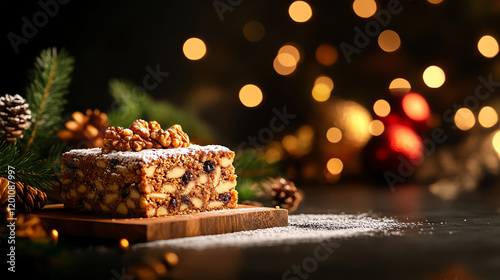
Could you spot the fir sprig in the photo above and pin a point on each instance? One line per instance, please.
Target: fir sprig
(252, 165)
(253, 170)
(133, 104)
(49, 81)
(28, 167)
(129, 103)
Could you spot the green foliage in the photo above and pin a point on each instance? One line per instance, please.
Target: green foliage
(49, 81)
(129, 105)
(37, 155)
(28, 167)
(252, 165)
(247, 189)
(133, 104)
(252, 170)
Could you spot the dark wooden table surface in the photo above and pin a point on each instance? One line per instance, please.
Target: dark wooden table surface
(457, 240)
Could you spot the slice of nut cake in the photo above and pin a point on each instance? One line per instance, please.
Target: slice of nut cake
(150, 182)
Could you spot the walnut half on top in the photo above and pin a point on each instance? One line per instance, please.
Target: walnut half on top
(143, 135)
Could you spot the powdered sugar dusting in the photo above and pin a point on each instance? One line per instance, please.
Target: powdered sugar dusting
(301, 229)
(148, 155)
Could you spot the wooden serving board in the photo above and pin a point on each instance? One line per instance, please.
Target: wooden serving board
(68, 222)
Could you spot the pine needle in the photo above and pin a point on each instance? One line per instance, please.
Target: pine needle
(252, 170)
(28, 167)
(129, 102)
(135, 104)
(50, 79)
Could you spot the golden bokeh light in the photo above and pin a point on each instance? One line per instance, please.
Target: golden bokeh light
(321, 92)
(488, 46)
(334, 135)
(381, 108)
(272, 155)
(434, 76)
(399, 86)
(291, 144)
(300, 11)
(364, 8)
(282, 70)
(254, 31)
(305, 135)
(353, 119)
(334, 166)
(274, 152)
(389, 41)
(54, 234)
(487, 117)
(124, 243)
(250, 95)
(496, 142)
(286, 59)
(376, 127)
(289, 49)
(434, 1)
(194, 48)
(324, 80)
(464, 119)
(326, 54)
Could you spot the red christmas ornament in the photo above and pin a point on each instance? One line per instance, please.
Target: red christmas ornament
(393, 155)
(411, 110)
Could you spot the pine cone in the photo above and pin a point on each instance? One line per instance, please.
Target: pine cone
(143, 135)
(15, 117)
(29, 199)
(285, 194)
(85, 131)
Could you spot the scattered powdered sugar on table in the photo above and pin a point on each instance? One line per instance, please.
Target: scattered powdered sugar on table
(301, 229)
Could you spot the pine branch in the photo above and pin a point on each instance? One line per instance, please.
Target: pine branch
(129, 102)
(168, 115)
(50, 79)
(255, 167)
(28, 167)
(247, 189)
(253, 170)
(134, 104)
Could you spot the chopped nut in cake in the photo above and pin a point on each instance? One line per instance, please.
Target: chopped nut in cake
(144, 171)
(149, 183)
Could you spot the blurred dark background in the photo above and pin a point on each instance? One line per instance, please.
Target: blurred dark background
(121, 39)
